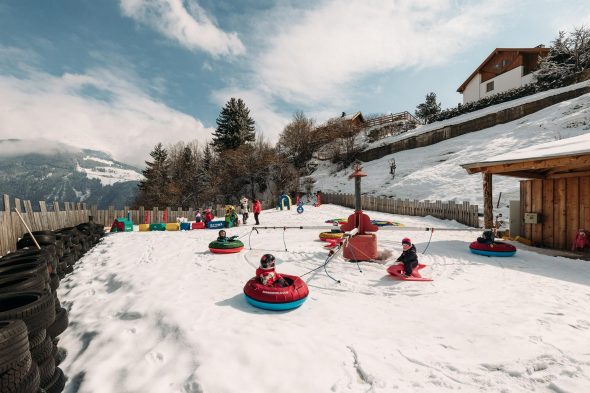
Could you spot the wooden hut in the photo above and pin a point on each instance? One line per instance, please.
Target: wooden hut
(555, 195)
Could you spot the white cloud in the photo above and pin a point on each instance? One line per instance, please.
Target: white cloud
(190, 26)
(126, 122)
(269, 121)
(11, 148)
(313, 58)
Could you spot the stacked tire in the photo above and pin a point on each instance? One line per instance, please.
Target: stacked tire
(31, 316)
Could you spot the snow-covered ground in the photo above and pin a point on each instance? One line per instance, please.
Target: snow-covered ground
(157, 312)
(434, 172)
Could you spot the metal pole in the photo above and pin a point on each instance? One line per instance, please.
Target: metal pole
(357, 194)
(28, 230)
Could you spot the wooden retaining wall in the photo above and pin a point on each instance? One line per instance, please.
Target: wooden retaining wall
(464, 213)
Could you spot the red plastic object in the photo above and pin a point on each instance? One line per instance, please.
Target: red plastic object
(397, 272)
(226, 250)
(198, 225)
(298, 290)
(361, 248)
(498, 247)
(361, 221)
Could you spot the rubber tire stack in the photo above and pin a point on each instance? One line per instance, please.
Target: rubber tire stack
(31, 316)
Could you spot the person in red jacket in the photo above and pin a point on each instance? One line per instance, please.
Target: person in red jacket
(266, 272)
(257, 208)
(208, 216)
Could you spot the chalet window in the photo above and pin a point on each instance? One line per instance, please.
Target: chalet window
(489, 86)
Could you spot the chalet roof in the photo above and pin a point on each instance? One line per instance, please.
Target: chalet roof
(491, 55)
(350, 117)
(565, 156)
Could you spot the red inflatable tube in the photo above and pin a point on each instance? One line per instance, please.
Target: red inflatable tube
(226, 250)
(496, 248)
(296, 291)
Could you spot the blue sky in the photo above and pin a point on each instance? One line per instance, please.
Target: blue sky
(121, 75)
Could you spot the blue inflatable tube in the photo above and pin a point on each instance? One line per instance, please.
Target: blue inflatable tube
(275, 306)
(493, 253)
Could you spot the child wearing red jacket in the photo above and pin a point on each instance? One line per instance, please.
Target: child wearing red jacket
(266, 272)
(257, 208)
(208, 216)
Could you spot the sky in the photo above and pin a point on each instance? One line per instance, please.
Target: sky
(123, 75)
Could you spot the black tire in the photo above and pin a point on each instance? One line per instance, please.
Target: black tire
(57, 383)
(30, 383)
(24, 259)
(22, 282)
(47, 237)
(60, 324)
(36, 309)
(46, 370)
(42, 351)
(53, 281)
(42, 253)
(37, 338)
(14, 343)
(39, 269)
(42, 240)
(16, 373)
(68, 260)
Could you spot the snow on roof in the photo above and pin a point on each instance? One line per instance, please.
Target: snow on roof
(565, 147)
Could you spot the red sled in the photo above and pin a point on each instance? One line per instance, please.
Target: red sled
(333, 242)
(397, 271)
(198, 225)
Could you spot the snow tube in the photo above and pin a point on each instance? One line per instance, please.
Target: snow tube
(496, 249)
(331, 235)
(144, 227)
(230, 247)
(172, 226)
(383, 223)
(276, 299)
(185, 226)
(338, 220)
(198, 225)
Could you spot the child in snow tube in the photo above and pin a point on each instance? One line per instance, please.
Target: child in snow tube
(488, 246)
(225, 245)
(267, 274)
(272, 291)
(408, 256)
(487, 237)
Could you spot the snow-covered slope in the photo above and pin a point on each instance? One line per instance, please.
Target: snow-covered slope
(109, 172)
(434, 172)
(157, 312)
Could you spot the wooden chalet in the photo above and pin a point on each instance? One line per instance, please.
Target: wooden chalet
(555, 195)
(502, 70)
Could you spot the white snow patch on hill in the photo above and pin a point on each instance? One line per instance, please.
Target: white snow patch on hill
(109, 175)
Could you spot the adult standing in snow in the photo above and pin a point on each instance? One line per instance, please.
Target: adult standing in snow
(257, 208)
(244, 209)
(408, 257)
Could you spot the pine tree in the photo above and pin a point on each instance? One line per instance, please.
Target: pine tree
(152, 189)
(235, 127)
(428, 110)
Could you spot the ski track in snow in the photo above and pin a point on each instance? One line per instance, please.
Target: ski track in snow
(157, 312)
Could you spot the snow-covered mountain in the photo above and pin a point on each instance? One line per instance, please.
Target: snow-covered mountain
(45, 170)
(434, 172)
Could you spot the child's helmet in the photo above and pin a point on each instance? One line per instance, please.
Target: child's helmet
(267, 261)
(406, 240)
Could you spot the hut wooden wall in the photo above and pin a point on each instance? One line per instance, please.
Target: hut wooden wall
(564, 205)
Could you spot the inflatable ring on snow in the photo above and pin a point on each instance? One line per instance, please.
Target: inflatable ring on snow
(338, 220)
(230, 247)
(331, 235)
(272, 298)
(382, 223)
(496, 249)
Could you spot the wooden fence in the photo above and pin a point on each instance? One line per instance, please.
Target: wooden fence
(41, 217)
(464, 213)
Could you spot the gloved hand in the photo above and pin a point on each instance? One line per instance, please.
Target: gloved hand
(233, 237)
